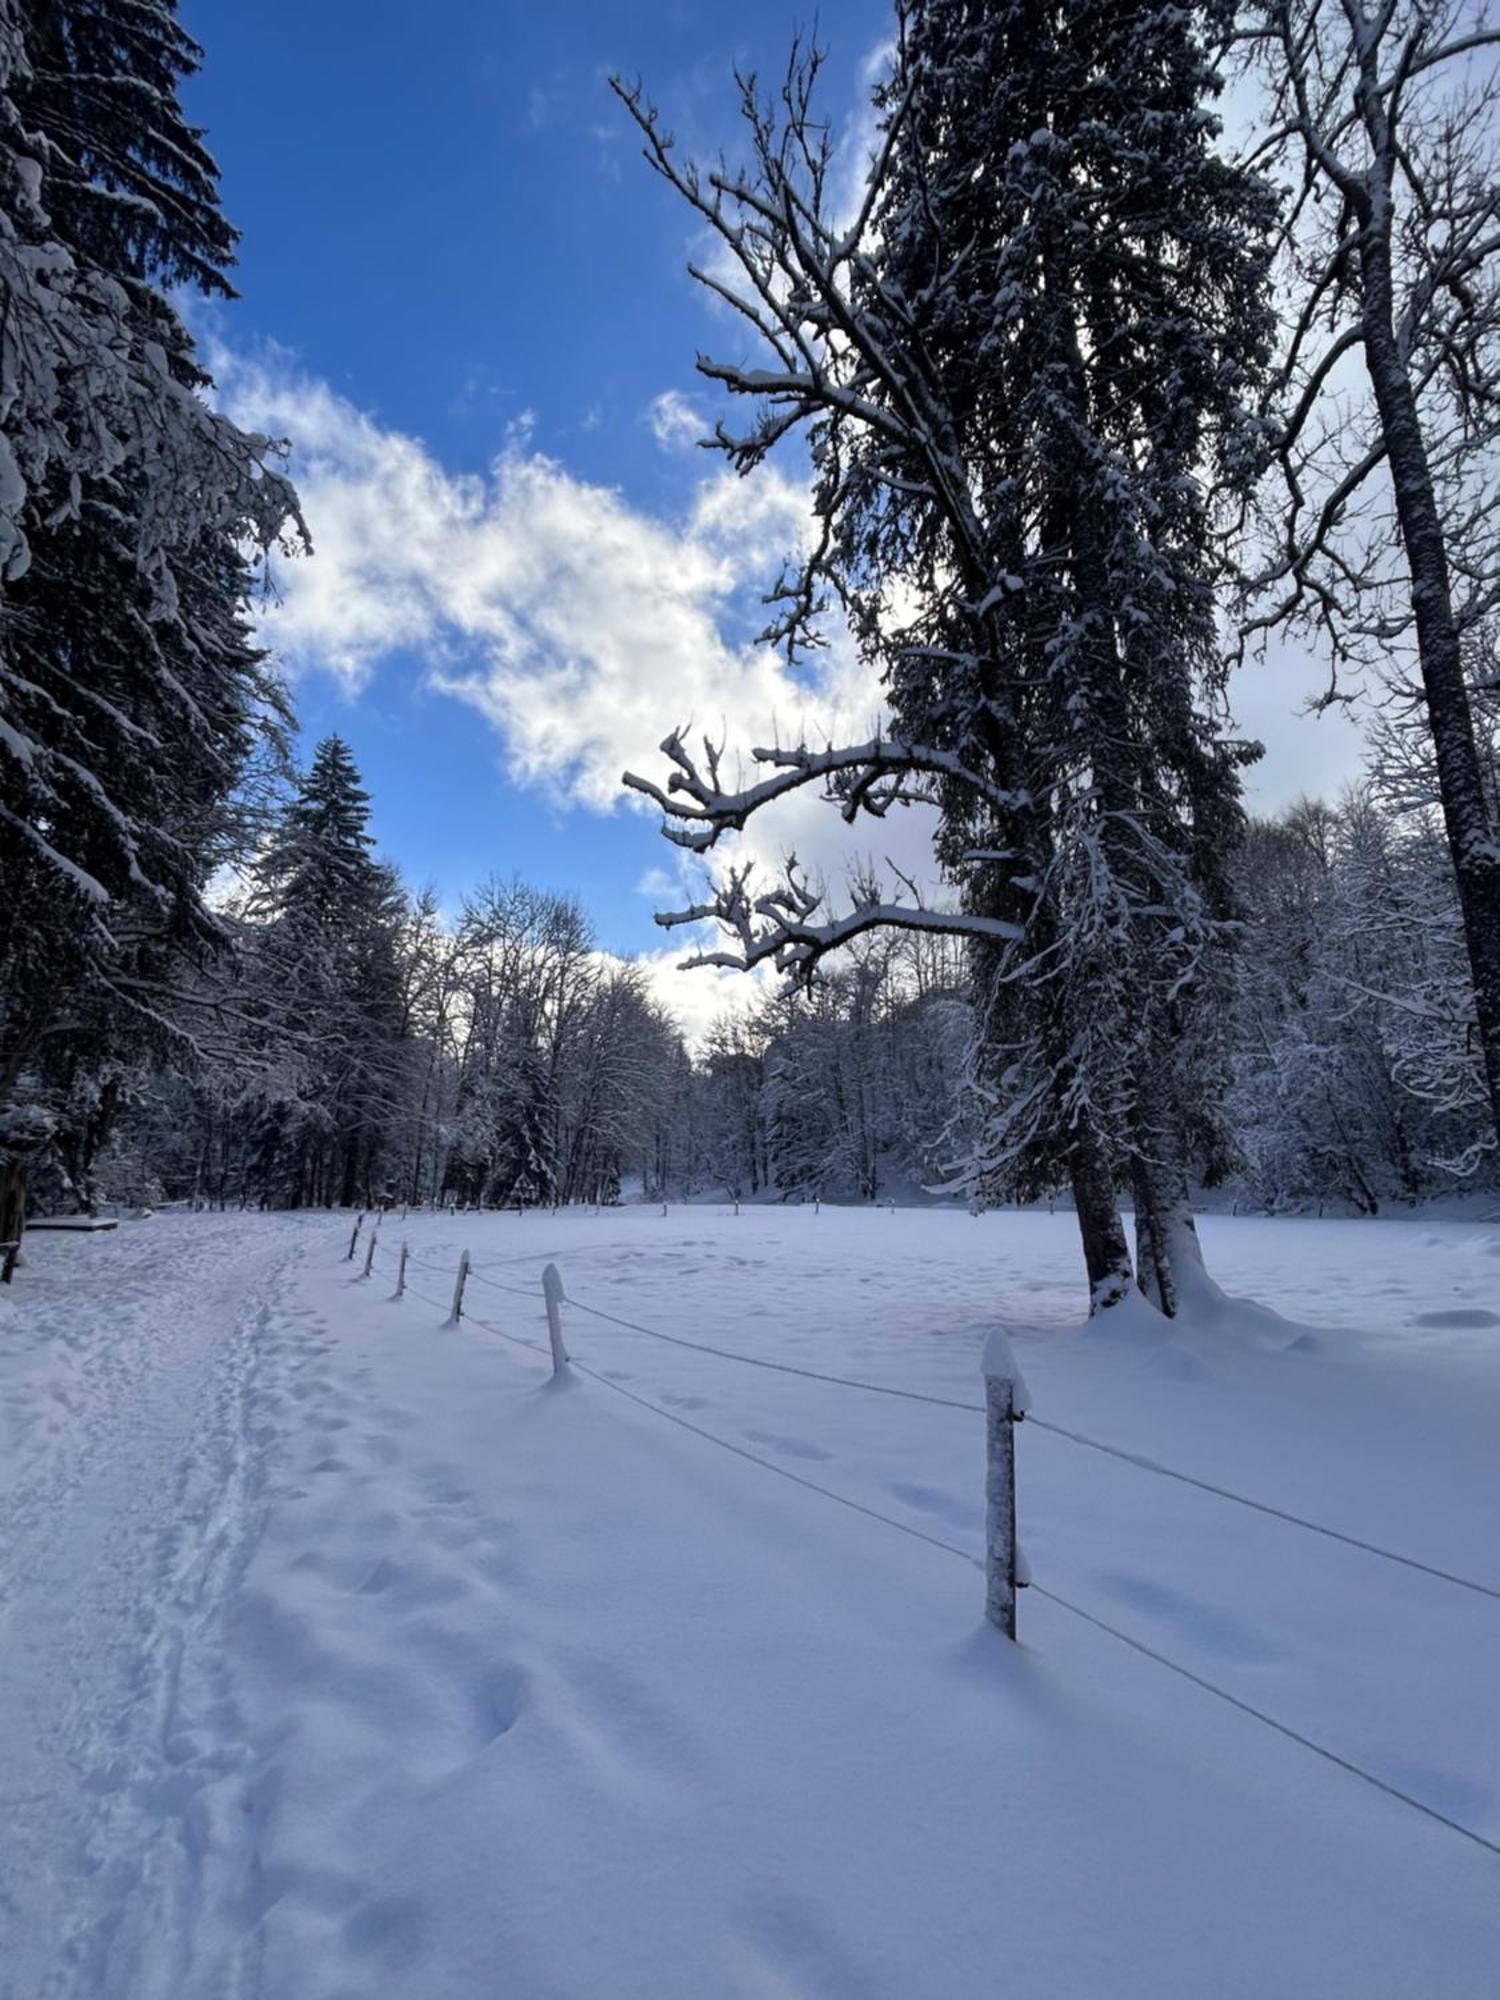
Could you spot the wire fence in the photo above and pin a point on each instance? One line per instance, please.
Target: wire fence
(1138, 1461)
(469, 1272)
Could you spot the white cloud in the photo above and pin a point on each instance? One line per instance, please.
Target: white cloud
(676, 422)
(582, 630)
(580, 627)
(697, 999)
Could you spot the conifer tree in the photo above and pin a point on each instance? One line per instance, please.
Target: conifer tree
(1014, 367)
(131, 693)
(331, 981)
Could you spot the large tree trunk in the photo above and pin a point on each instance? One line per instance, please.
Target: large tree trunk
(1467, 820)
(1106, 1255)
(1168, 1257)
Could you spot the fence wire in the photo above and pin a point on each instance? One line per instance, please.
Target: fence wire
(1113, 1631)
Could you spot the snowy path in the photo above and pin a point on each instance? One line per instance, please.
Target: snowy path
(130, 1502)
(344, 1657)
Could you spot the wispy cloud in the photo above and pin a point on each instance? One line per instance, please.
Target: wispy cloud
(676, 422)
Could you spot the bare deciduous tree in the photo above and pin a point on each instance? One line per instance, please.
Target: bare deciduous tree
(1388, 543)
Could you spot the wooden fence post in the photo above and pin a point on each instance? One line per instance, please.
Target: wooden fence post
(458, 1290)
(553, 1294)
(401, 1273)
(354, 1237)
(1005, 1405)
(370, 1250)
(12, 1214)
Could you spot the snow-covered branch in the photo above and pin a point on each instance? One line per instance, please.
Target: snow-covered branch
(866, 777)
(783, 926)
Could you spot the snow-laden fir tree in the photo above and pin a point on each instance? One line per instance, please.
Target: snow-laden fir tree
(1017, 367)
(327, 971)
(131, 693)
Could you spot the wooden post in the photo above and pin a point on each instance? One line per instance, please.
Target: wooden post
(370, 1251)
(458, 1290)
(401, 1272)
(1005, 1405)
(354, 1237)
(1000, 1506)
(553, 1296)
(12, 1213)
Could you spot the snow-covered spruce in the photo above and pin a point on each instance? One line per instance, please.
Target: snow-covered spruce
(1012, 365)
(131, 694)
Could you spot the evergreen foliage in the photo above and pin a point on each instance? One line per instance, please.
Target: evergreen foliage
(131, 693)
(1015, 369)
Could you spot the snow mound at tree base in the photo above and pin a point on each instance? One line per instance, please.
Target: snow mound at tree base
(1207, 1318)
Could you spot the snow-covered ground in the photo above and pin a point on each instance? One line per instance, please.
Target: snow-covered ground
(341, 1654)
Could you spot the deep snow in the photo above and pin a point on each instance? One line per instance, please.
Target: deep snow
(342, 1654)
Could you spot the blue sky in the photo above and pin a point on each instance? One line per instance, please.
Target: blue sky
(446, 219)
(463, 297)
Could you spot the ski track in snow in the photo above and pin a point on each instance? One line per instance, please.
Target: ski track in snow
(133, 1508)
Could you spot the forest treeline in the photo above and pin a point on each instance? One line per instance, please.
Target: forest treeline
(368, 1048)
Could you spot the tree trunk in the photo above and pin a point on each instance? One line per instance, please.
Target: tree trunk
(1168, 1256)
(1106, 1255)
(12, 1213)
(1466, 816)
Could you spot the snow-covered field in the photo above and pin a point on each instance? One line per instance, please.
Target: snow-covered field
(341, 1654)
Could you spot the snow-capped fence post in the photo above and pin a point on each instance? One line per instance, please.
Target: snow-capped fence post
(1005, 1405)
(354, 1237)
(370, 1250)
(553, 1295)
(458, 1290)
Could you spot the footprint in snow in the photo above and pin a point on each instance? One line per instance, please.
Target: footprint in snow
(789, 1447)
(1446, 1791)
(439, 1485)
(501, 1702)
(410, 1588)
(394, 1928)
(930, 1501)
(1458, 1316)
(1211, 1630)
(318, 1385)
